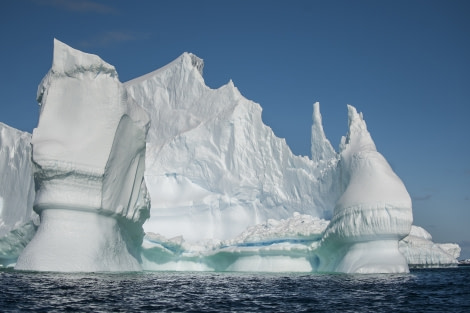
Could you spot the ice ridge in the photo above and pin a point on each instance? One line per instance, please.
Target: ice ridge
(213, 167)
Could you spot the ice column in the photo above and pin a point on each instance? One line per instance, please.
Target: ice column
(372, 214)
(320, 146)
(89, 159)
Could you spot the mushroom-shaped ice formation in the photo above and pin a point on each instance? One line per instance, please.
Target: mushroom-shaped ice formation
(372, 214)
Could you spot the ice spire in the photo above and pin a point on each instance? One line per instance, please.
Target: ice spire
(320, 146)
(358, 136)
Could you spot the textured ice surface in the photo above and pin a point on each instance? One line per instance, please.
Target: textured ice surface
(89, 161)
(213, 167)
(16, 193)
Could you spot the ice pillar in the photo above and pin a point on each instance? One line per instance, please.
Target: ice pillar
(372, 214)
(89, 159)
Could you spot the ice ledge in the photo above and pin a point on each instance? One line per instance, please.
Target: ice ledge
(68, 61)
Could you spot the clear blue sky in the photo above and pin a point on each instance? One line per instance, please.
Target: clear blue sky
(405, 64)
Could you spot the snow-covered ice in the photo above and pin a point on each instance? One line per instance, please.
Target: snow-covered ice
(89, 161)
(227, 194)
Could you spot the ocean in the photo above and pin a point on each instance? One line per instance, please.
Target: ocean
(422, 290)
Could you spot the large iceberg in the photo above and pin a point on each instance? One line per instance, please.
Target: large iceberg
(227, 194)
(89, 160)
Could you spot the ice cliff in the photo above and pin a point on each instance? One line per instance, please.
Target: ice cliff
(89, 160)
(16, 194)
(227, 194)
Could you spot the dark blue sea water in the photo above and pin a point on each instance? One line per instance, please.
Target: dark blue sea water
(424, 290)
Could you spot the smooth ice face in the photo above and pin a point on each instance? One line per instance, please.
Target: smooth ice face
(213, 167)
(84, 91)
(16, 193)
(89, 161)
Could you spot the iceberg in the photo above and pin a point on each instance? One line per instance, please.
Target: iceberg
(226, 193)
(89, 160)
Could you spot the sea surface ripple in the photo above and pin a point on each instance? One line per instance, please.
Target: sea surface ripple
(424, 290)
